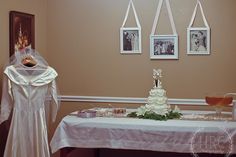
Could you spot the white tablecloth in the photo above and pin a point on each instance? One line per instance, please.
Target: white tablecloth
(140, 134)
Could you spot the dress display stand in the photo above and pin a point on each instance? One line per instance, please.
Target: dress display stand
(26, 89)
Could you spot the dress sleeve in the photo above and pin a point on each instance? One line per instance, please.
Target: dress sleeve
(7, 99)
(55, 101)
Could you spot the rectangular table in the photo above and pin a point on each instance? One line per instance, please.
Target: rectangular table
(181, 136)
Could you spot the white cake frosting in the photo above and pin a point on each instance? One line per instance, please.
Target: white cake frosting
(157, 99)
(156, 102)
(157, 96)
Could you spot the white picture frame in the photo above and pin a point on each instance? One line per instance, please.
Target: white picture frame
(164, 47)
(130, 40)
(198, 41)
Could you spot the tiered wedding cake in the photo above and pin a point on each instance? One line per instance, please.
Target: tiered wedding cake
(157, 107)
(157, 99)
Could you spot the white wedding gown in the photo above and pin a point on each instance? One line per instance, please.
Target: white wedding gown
(26, 95)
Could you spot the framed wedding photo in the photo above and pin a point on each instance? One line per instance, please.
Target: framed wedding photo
(21, 31)
(130, 40)
(198, 41)
(164, 47)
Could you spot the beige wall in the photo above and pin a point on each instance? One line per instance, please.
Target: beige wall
(80, 38)
(83, 45)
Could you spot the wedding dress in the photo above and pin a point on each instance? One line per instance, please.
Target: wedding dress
(25, 91)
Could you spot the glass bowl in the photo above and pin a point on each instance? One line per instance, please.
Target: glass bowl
(219, 102)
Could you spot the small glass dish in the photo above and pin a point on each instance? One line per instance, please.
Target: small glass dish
(87, 114)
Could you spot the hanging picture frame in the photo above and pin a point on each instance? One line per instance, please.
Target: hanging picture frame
(198, 41)
(130, 37)
(21, 31)
(130, 40)
(164, 47)
(198, 38)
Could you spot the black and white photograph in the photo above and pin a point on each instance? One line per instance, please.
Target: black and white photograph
(198, 41)
(164, 47)
(130, 40)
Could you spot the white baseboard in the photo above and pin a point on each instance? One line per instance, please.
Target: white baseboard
(70, 98)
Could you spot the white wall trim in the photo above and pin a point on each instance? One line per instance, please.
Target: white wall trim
(72, 98)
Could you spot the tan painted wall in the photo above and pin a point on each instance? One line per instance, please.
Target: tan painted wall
(80, 38)
(83, 45)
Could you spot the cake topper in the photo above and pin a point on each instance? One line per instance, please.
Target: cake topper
(157, 78)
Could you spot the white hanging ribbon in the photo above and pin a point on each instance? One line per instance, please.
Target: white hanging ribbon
(169, 14)
(194, 15)
(135, 15)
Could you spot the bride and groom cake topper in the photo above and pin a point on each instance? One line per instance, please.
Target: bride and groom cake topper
(157, 75)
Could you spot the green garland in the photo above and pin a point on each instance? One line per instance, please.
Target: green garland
(152, 115)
